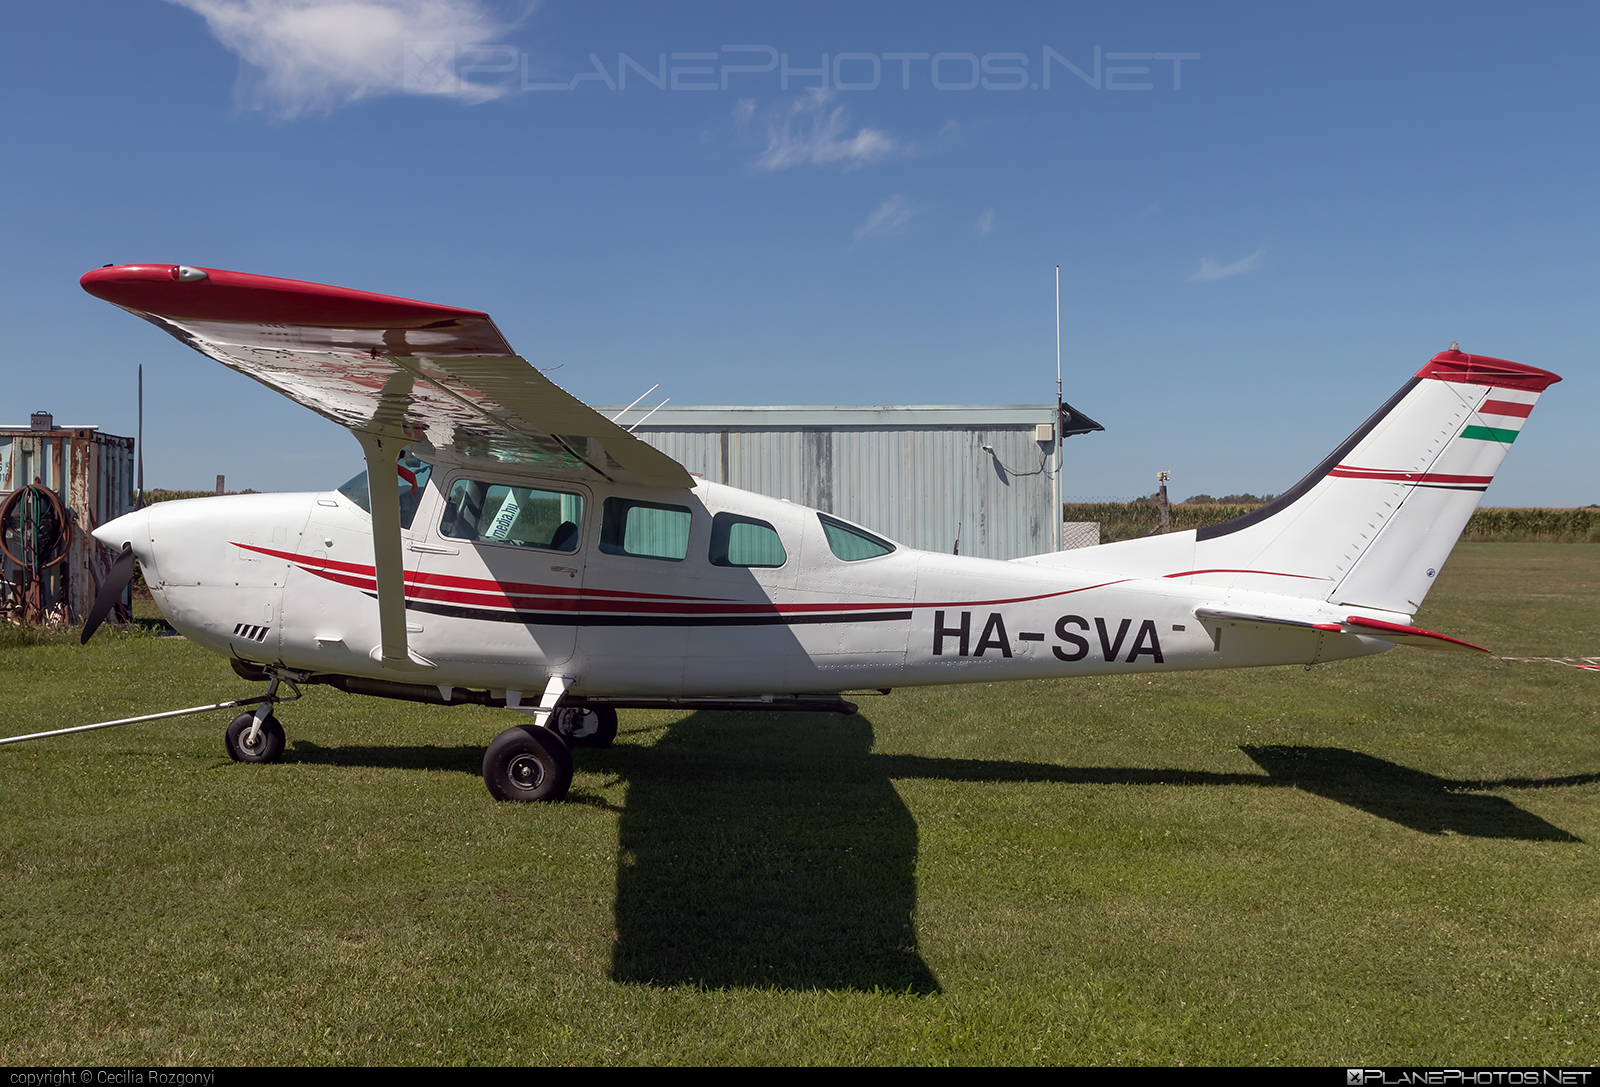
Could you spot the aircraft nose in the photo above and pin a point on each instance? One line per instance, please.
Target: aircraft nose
(131, 528)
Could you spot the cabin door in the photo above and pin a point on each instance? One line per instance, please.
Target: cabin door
(500, 579)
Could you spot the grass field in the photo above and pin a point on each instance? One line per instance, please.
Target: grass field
(1383, 861)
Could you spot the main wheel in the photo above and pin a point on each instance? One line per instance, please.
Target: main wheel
(527, 763)
(586, 726)
(268, 746)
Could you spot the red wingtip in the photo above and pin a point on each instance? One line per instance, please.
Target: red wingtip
(220, 295)
(1483, 370)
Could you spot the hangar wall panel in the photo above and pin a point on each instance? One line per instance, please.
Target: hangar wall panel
(914, 474)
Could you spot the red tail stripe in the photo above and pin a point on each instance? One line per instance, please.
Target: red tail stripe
(1345, 471)
(1505, 407)
(1483, 370)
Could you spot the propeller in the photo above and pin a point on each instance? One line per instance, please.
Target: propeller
(116, 580)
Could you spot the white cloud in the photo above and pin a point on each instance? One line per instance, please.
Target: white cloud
(806, 130)
(985, 223)
(1210, 269)
(306, 56)
(889, 219)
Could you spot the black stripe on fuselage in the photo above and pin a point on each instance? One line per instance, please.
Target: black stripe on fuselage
(579, 619)
(1295, 493)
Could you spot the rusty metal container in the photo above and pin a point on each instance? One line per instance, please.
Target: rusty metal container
(92, 476)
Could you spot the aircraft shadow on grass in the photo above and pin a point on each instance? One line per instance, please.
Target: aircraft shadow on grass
(761, 853)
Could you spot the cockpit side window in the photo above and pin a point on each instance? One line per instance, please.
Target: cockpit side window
(413, 474)
(523, 516)
(852, 544)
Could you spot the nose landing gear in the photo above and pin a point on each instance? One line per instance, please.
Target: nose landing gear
(246, 743)
(257, 736)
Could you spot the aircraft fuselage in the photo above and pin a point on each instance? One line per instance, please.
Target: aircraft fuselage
(287, 580)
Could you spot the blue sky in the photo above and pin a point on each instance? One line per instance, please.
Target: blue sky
(1251, 261)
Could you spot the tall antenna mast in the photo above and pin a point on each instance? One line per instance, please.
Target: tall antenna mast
(1057, 520)
(1058, 339)
(138, 498)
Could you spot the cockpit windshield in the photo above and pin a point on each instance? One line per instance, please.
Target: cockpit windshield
(413, 474)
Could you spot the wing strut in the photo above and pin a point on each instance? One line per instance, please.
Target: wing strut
(383, 491)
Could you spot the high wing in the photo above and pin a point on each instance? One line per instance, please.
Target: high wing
(377, 364)
(394, 372)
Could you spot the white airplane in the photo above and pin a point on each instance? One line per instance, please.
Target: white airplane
(509, 546)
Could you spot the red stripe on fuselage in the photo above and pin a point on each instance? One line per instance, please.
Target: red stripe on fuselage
(581, 600)
(1263, 573)
(314, 564)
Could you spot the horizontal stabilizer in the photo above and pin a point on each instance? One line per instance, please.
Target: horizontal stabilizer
(1359, 625)
(1404, 635)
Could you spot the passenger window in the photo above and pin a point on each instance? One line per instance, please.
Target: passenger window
(523, 516)
(645, 530)
(850, 543)
(744, 541)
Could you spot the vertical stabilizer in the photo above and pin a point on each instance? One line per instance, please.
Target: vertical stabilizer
(1371, 525)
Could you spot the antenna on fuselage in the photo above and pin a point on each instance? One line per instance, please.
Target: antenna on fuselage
(647, 414)
(630, 407)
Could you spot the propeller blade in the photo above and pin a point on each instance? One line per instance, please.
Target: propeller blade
(110, 592)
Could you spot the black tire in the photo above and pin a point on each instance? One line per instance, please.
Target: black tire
(586, 726)
(268, 746)
(527, 763)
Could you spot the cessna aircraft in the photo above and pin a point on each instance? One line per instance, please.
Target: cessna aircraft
(509, 546)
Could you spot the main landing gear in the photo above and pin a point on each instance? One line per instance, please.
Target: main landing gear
(534, 762)
(526, 763)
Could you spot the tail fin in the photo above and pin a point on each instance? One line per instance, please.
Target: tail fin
(1371, 525)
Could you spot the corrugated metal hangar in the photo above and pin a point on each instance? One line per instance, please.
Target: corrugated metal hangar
(920, 475)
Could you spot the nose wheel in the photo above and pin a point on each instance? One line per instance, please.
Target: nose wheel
(527, 763)
(248, 744)
(256, 736)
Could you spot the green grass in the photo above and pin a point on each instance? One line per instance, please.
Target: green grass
(1383, 861)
